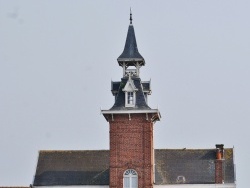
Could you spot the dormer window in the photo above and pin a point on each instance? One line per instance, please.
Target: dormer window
(130, 96)
(130, 93)
(130, 99)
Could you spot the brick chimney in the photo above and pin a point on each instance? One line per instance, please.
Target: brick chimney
(219, 164)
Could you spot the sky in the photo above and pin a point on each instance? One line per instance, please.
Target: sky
(57, 59)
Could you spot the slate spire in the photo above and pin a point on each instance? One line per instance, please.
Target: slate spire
(130, 54)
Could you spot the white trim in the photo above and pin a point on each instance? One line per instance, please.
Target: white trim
(226, 185)
(130, 89)
(72, 186)
(130, 179)
(127, 99)
(130, 59)
(152, 111)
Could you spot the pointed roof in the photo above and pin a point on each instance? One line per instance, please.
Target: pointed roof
(130, 86)
(130, 53)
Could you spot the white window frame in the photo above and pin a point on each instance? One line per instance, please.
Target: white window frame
(127, 100)
(130, 88)
(130, 179)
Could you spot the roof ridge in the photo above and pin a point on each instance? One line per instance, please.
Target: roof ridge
(48, 151)
(189, 148)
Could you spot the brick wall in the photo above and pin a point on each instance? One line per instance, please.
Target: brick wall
(131, 147)
(219, 171)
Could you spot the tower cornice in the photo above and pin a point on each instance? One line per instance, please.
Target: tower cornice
(156, 115)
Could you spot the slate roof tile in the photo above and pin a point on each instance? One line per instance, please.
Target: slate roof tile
(197, 166)
(14, 187)
(140, 98)
(91, 167)
(130, 52)
(88, 167)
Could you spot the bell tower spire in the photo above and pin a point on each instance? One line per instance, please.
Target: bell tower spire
(131, 122)
(130, 55)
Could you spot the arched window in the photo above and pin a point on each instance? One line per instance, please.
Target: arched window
(130, 179)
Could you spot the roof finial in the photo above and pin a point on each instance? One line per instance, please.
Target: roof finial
(130, 16)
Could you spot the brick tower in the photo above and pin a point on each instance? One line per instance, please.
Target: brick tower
(131, 123)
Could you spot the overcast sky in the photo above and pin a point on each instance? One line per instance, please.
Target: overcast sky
(57, 59)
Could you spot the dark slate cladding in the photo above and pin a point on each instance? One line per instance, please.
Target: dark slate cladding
(92, 167)
(115, 87)
(72, 168)
(14, 187)
(197, 166)
(146, 86)
(130, 51)
(229, 166)
(141, 103)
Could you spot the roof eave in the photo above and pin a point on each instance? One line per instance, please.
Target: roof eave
(156, 117)
(131, 60)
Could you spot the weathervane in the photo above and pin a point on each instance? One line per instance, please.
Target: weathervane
(130, 16)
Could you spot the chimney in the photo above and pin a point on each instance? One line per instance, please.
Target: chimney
(219, 167)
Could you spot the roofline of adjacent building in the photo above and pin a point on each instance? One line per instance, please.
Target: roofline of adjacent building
(225, 185)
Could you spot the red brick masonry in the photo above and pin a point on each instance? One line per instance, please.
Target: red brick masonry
(131, 147)
(219, 171)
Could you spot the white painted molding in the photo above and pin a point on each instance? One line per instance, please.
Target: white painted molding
(152, 111)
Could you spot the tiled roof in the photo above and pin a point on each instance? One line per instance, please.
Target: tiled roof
(197, 166)
(146, 86)
(115, 87)
(14, 187)
(92, 167)
(140, 98)
(72, 168)
(130, 52)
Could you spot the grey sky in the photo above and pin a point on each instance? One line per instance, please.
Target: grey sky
(57, 59)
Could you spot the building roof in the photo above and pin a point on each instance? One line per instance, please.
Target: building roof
(14, 187)
(130, 53)
(72, 168)
(197, 166)
(140, 104)
(146, 87)
(115, 87)
(91, 167)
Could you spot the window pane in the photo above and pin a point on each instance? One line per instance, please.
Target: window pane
(126, 182)
(134, 182)
(130, 98)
